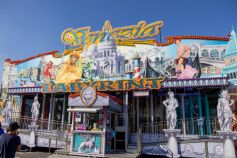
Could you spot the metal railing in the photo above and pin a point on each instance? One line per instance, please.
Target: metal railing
(43, 124)
(191, 126)
(195, 128)
(57, 132)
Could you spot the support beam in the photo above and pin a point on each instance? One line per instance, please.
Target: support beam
(53, 111)
(183, 116)
(69, 118)
(50, 110)
(21, 104)
(147, 111)
(152, 113)
(63, 112)
(207, 115)
(43, 110)
(200, 114)
(126, 120)
(191, 113)
(138, 113)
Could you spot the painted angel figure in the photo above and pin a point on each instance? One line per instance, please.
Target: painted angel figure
(35, 111)
(6, 112)
(171, 104)
(224, 112)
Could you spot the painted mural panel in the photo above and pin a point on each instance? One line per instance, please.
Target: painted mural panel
(110, 57)
(87, 143)
(106, 61)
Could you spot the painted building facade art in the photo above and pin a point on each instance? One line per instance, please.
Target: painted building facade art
(106, 83)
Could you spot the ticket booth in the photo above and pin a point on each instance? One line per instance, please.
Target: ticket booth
(92, 122)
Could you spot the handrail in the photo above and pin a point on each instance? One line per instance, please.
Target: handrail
(167, 149)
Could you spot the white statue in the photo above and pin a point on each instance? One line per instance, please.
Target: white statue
(35, 111)
(6, 112)
(224, 112)
(171, 104)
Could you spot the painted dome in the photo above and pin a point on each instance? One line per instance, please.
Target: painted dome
(107, 43)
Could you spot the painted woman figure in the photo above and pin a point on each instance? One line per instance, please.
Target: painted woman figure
(6, 112)
(171, 104)
(224, 112)
(184, 69)
(71, 71)
(48, 71)
(35, 111)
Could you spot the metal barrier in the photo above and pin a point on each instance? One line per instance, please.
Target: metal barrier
(58, 132)
(195, 128)
(42, 123)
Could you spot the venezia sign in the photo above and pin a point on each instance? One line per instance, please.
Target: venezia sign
(119, 85)
(84, 35)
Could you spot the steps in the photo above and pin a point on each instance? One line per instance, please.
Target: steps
(132, 148)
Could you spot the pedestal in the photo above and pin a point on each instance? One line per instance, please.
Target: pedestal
(229, 148)
(172, 141)
(4, 127)
(33, 129)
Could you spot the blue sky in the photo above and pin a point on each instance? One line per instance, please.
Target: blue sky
(30, 27)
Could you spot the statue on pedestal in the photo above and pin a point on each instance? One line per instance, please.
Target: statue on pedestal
(6, 112)
(171, 104)
(224, 112)
(35, 111)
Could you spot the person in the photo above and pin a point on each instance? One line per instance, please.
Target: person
(1, 130)
(184, 69)
(183, 51)
(10, 142)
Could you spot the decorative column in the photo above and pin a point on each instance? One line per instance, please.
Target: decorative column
(225, 118)
(172, 141)
(171, 104)
(229, 146)
(32, 140)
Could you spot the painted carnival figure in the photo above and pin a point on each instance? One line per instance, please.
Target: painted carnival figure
(224, 112)
(71, 71)
(35, 111)
(171, 104)
(184, 69)
(48, 71)
(6, 112)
